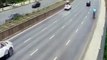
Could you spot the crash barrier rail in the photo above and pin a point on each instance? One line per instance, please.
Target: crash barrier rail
(94, 47)
(11, 27)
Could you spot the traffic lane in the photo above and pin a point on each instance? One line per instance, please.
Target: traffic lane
(37, 27)
(31, 43)
(76, 50)
(40, 32)
(23, 39)
(20, 40)
(44, 33)
(77, 46)
(57, 54)
(38, 38)
(87, 16)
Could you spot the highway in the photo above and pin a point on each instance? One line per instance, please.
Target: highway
(63, 36)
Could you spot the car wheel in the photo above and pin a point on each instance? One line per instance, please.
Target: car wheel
(10, 52)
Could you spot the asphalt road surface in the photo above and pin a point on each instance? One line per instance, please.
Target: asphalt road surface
(60, 37)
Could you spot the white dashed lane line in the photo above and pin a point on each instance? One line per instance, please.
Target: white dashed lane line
(34, 52)
(82, 22)
(68, 42)
(77, 30)
(27, 40)
(52, 36)
(55, 58)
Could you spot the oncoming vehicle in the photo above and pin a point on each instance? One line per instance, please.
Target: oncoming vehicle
(6, 49)
(36, 5)
(88, 4)
(67, 6)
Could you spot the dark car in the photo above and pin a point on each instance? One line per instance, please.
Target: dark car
(88, 4)
(36, 5)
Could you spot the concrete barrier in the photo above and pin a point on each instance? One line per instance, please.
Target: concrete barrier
(95, 44)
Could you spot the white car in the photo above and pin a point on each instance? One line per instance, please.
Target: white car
(6, 49)
(67, 7)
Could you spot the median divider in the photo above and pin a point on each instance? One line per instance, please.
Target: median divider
(95, 44)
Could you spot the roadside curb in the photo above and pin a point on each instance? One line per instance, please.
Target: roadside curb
(95, 44)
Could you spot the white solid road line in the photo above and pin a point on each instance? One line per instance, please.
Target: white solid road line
(33, 52)
(52, 36)
(27, 40)
(68, 42)
(55, 58)
(33, 26)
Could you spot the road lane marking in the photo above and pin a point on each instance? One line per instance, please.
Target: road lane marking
(33, 26)
(62, 27)
(55, 58)
(77, 30)
(82, 22)
(88, 12)
(33, 52)
(51, 36)
(86, 17)
(68, 42)
(55, 21)
(27, 40)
